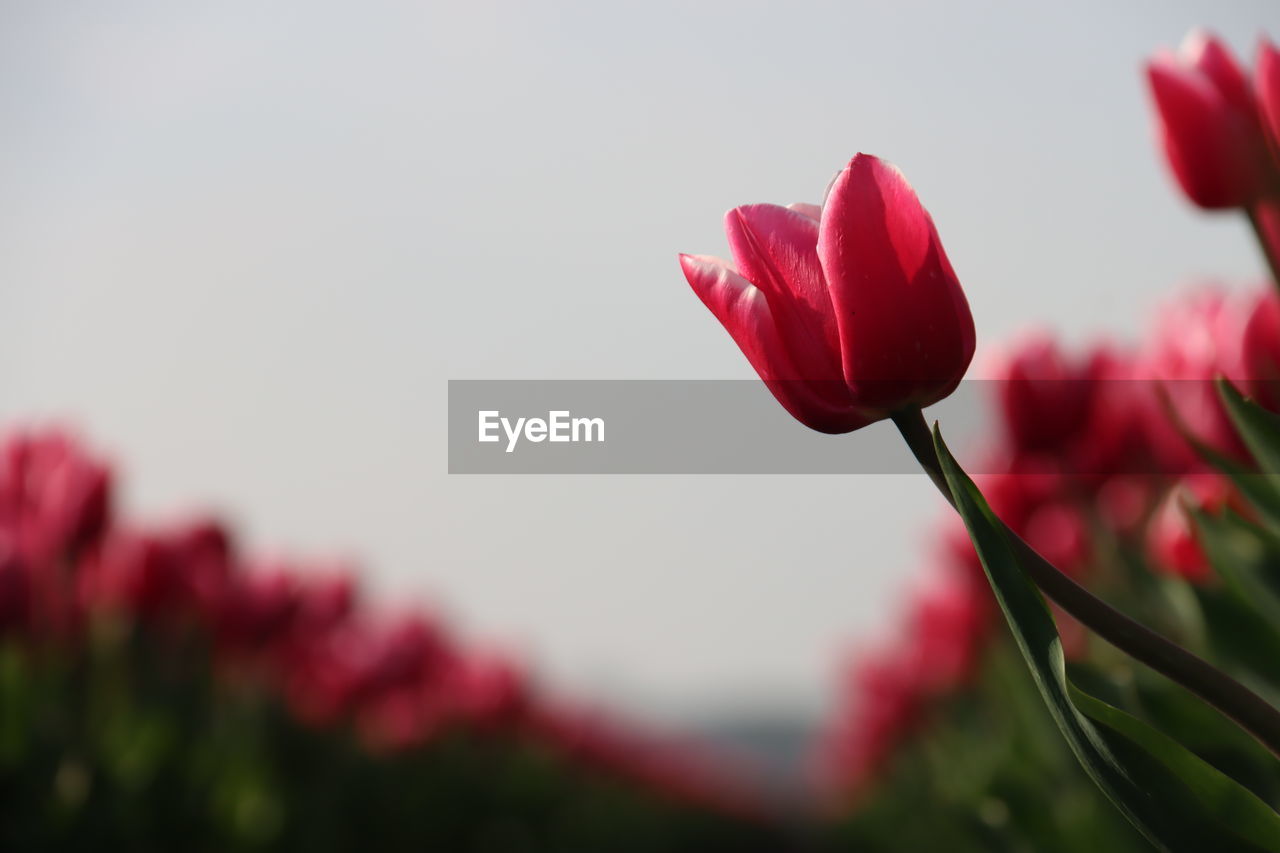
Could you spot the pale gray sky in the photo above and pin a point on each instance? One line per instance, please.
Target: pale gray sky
(243, 246)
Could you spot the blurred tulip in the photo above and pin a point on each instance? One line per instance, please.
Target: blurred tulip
(1260, 351)
(326, 600)
(492, 692)
(1123, 503)
(53, 497)
(1059, 531)
(1026, 484)
(55, 503)
(1196, 339)
(259, 610)
(1210, 126)
(1045, 398)
(1116, 440)
(880, 710)
(1172, 541)
(131, 573)
(848, 314)
(889, 691)
(947, 625)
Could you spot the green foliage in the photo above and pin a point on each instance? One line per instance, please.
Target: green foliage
(1176, 799)
(138, 746)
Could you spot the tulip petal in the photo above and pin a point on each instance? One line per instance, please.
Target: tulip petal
(1206, 53)
(813, 211)
(745, 313)
(777, 250)
(905, 329)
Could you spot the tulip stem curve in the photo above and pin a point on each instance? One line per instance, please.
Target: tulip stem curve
(1268, 249)
(1215, 687)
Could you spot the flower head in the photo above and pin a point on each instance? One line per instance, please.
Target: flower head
(1209, 124)
(848, 312)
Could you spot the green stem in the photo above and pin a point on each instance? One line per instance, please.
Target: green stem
(1212, 685)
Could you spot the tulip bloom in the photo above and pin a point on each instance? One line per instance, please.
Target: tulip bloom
(849, 312)
(1172, 543)
(890, 690)
(1044, 397)
(1195, 340)
(1210, 126)
(1260, 351)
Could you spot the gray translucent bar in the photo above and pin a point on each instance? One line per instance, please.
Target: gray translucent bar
(737, 427)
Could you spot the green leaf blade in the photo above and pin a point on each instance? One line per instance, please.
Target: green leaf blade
(1178, 801)
(1258, 428)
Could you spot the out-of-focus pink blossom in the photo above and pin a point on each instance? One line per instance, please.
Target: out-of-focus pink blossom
(1045, 397)
(889, 691)
(55, 503)
(1260, 350)
(259, 608)
(1060, 532)
(1023, 486)
(298, 630)
(491, 692)
(1196, 339)
(1115, 440)
(1210, 125)
(1173, 544)
(133, 573)
(1124, 503)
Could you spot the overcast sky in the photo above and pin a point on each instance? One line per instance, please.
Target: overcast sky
(244, 245)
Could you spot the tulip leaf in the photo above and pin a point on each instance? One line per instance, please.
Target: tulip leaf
(1238, 632)
(1259, 489)
(1177, 800)
(1240, 554)
(1259, 428)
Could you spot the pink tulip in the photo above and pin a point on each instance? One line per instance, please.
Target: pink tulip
(1260, 350)
(326, 601)
(492, 692)
(1210, 126)
(1172, 540)
(1195, 340)
(848, 313)
(259, 610)
(1124, 502)
(1115, 440)
(54, 497)
(1045, 397)
(1060, 532)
